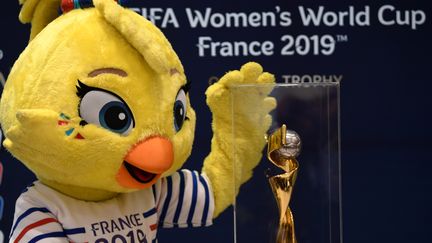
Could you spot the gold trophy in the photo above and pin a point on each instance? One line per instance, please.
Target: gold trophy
(283, 148)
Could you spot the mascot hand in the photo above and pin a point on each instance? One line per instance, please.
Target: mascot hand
(239, 102)
(251, 104)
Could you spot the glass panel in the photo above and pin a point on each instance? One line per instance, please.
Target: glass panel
(312, 111)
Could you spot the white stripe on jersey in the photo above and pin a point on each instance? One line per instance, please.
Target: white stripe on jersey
(199, 208)
(186, 200)
(209, 219)
(185, 206)
(157, 193)
(174, 184)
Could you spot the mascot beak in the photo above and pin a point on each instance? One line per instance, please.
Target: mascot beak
(146, 162)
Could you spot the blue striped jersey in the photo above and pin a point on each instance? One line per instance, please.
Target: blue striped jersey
(184, 199)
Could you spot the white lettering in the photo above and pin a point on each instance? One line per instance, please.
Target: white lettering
(208, 18)
(269, 19)
(202, 44)
(330, 19)
(297, 79)
(381, 15)
(313, 17)
(154, 15)
(362, 18)
(388, 15)
(254, 19)
(418, 17)
(285, 19)
(170, 18)
(338, 78)
(159, 16)
(306, 79)
(328, 79)
(217, 20)
(317, 79)
(206, 46)
(236, 19)
(196, 17)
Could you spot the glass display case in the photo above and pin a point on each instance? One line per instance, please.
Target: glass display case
(314, 190)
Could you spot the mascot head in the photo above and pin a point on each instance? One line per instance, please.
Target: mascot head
(97, 104)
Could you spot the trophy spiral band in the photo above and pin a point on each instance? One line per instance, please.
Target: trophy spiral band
(283, 148)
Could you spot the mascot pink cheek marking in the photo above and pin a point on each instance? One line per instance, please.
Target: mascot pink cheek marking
(62, 123)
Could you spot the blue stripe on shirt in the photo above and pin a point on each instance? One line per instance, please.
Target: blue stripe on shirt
(27, 213)
(194, 198)
(74, 231)
(167, 200)
(149, 213)
(48, 235)
(154, 192)
(180, 198)
(206, 204)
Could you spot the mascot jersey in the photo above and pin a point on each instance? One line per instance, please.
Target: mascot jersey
(181, 200)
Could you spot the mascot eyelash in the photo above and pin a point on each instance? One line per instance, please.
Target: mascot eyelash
(186, 88)
(83, 89)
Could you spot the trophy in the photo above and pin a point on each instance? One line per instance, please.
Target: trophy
(283, 148)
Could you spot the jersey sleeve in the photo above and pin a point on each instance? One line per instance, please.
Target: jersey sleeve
(184, 199)
(34, 222)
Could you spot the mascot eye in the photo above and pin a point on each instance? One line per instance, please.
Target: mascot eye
(106, 110)
(179, 110)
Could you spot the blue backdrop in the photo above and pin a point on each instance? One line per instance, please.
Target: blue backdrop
(381, 51)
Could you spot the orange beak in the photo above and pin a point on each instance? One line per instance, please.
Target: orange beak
(145, 163)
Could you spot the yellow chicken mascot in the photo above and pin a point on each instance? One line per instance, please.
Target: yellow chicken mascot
(97, 107)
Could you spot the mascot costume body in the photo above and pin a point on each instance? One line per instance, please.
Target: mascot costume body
(97, 107)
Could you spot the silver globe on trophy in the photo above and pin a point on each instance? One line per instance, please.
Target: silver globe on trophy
(283, 148)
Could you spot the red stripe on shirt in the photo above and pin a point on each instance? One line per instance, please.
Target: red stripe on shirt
(32, 226)
(153, 227)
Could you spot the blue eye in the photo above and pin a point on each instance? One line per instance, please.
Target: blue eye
(106, 110)
(179, 110)
(115, 116)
